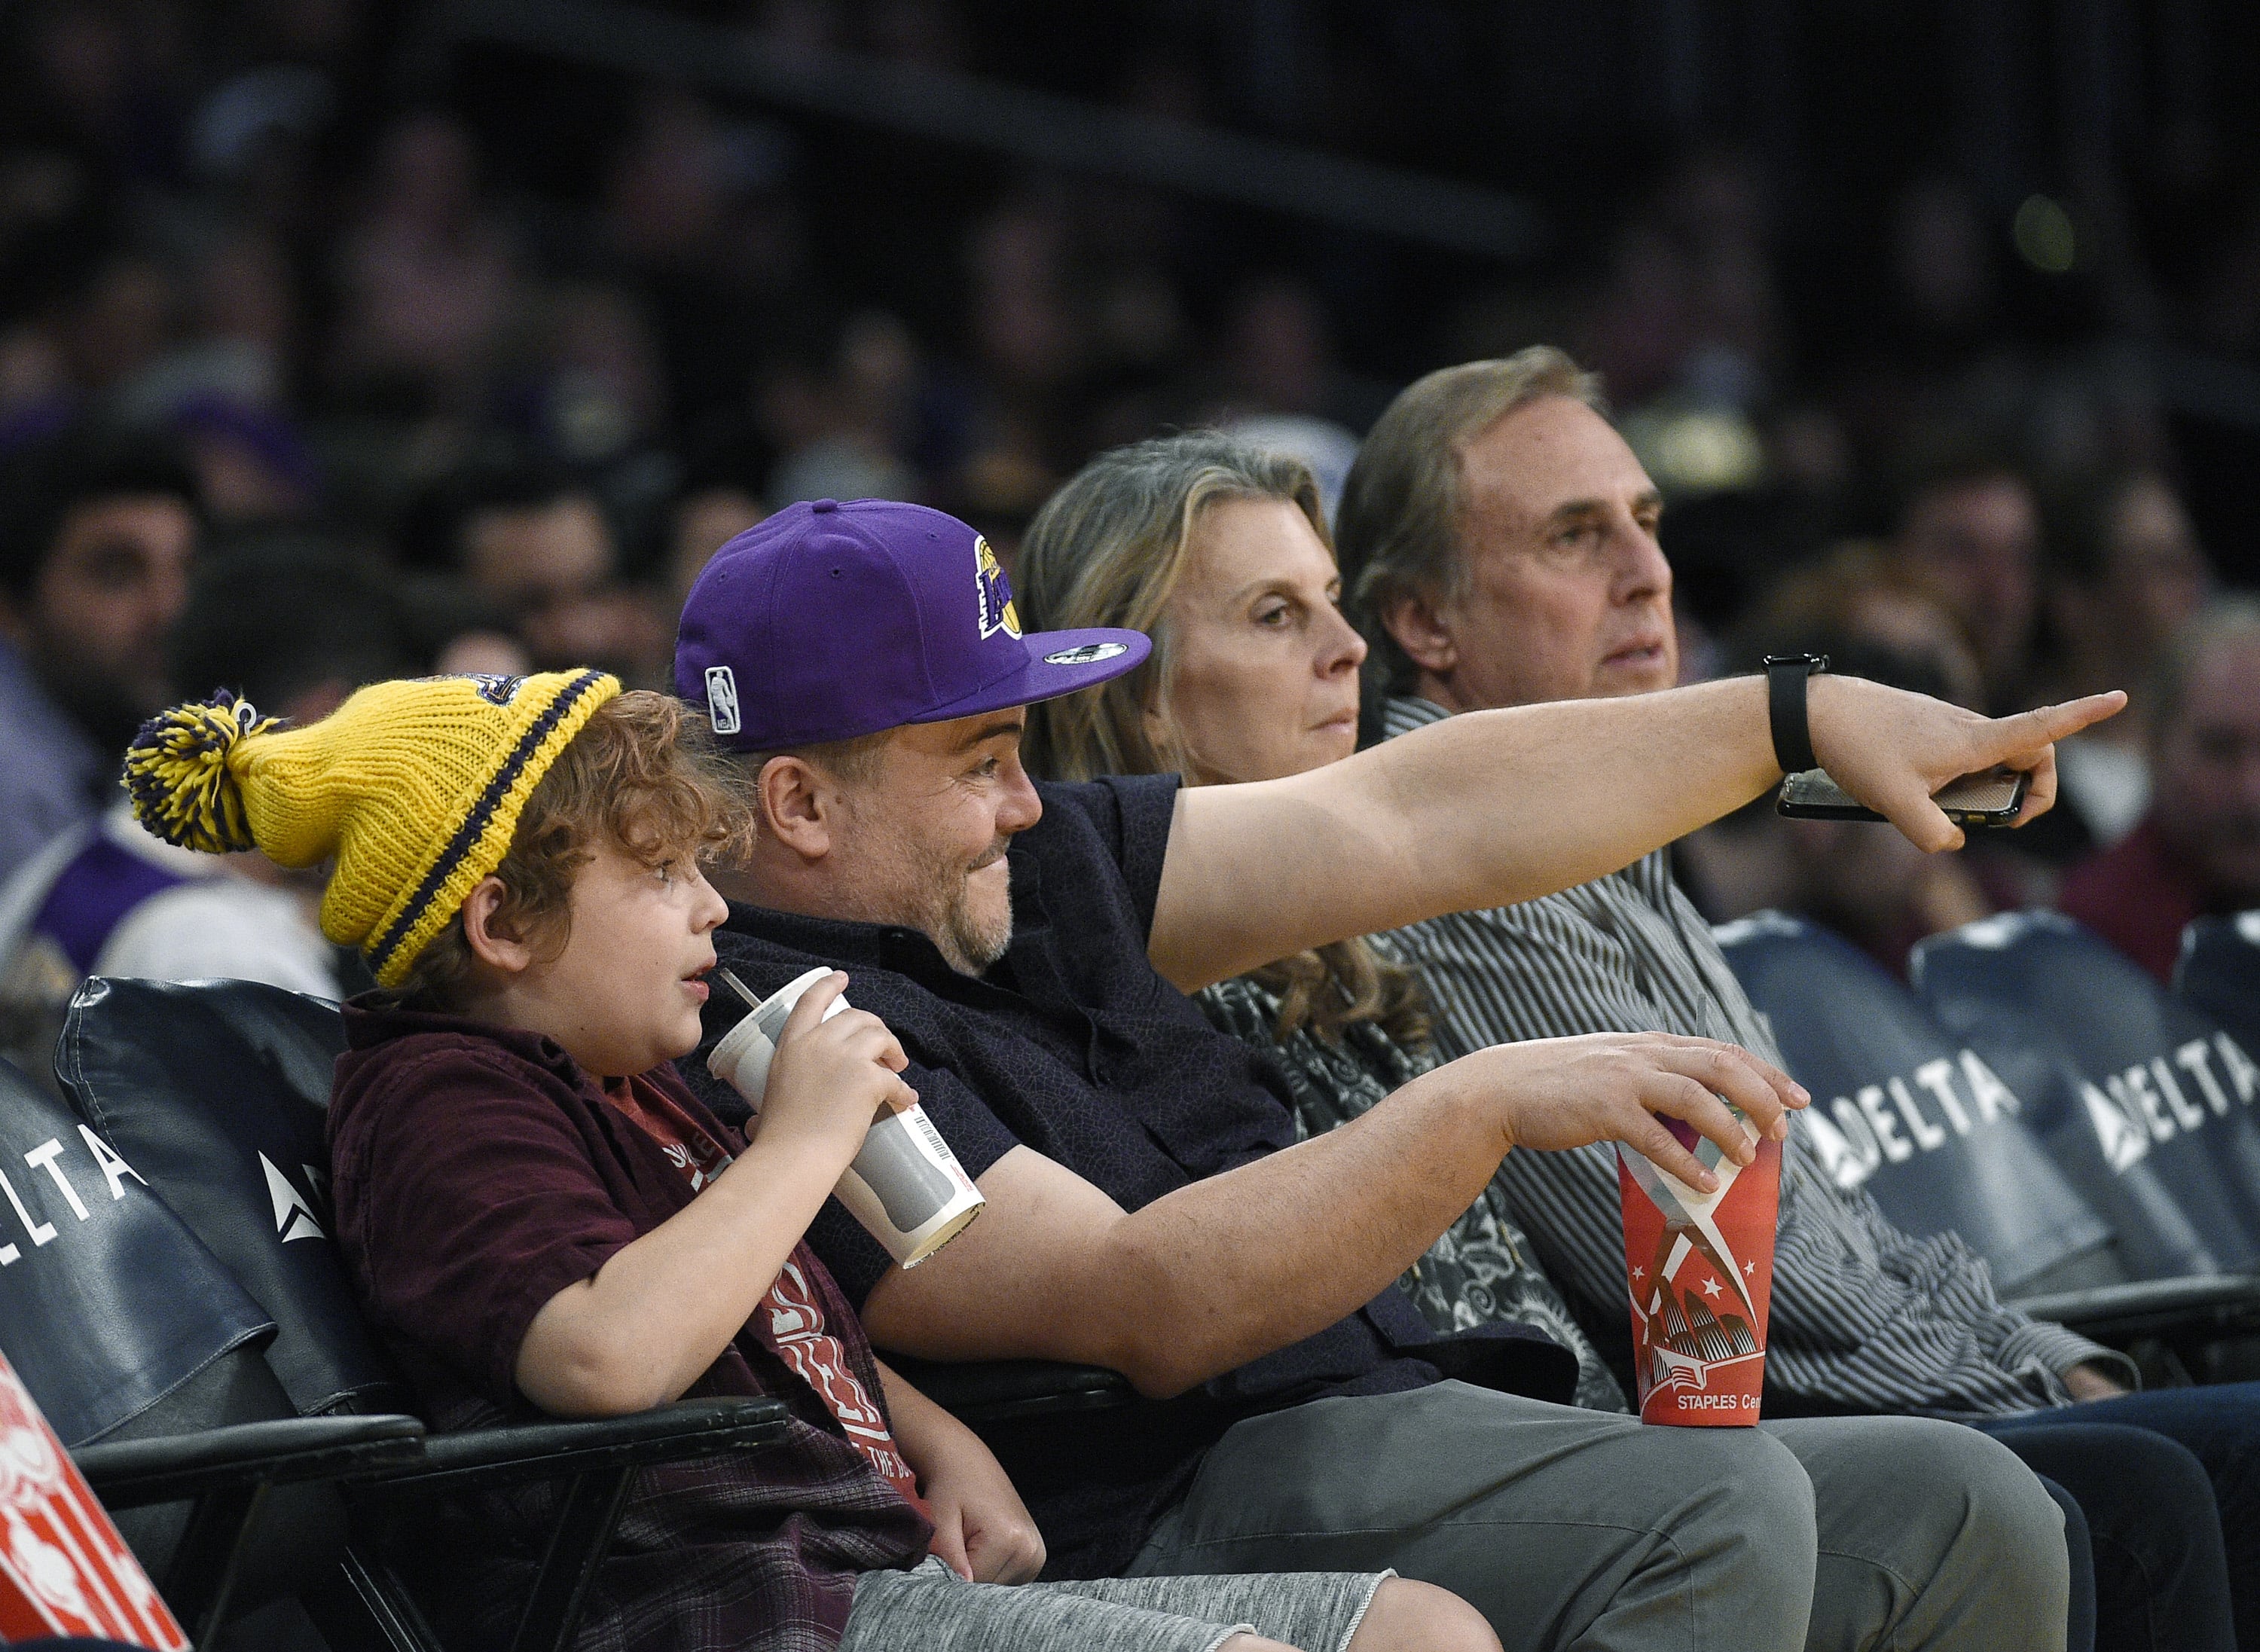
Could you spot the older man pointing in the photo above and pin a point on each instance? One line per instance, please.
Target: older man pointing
(1150, 1209)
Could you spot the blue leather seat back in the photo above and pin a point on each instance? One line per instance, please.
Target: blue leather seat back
(2153, 1113)
(1918, 1117)
(2219, 974)
(217, 1090)
(108, 1302)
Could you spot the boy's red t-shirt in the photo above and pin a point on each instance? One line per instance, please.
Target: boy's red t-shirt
(789, 1320)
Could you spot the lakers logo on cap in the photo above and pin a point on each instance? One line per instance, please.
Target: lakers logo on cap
(996, 611)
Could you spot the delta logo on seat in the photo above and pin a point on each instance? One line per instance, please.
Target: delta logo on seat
(296, 1215)
(46, 1157)
(294, 1212)
(2152, 1100)
(1886, 1123)
(2147, 1103)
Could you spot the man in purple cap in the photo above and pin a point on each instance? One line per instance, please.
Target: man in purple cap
(1150, 1209)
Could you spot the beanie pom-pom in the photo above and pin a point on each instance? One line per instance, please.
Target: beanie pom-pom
(180, 779)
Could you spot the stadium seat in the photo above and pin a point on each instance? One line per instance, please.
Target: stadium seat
(2219, 974)
(108, 1304)
(1914, 1115)
(2144, 1102)
(260, 1517)
(1007, 1391)
(220, 1085)
(128, 1333)
(217, 1092)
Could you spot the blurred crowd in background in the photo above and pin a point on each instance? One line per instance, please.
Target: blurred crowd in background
(334, 346)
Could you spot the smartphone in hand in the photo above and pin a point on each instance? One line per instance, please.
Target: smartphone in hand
(1989, 799)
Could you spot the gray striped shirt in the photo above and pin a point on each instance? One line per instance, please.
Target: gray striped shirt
(1862, 1315)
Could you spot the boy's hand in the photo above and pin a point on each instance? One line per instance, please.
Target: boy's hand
(981, 1530)
(828, 1079)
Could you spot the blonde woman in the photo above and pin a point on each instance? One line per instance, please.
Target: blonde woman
(1220, 553)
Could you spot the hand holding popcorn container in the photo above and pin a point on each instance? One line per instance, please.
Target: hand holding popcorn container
(905, 1185)
(1699, 1268)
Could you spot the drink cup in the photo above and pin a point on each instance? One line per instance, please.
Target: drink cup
(905, 1185)
(1699, 1268)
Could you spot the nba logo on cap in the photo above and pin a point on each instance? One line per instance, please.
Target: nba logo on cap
(996, 611)
(722, 698)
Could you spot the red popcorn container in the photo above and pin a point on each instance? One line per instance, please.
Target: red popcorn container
(1700, 1269)
(64, 1570)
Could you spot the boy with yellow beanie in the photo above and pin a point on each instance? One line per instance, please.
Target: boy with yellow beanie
(540, 1217)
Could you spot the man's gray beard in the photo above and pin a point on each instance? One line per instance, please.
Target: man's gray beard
(964, 945)
(943, 901)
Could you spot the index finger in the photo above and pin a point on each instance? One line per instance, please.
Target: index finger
(812, 1002)
(1759, 1088)
(2007, 740)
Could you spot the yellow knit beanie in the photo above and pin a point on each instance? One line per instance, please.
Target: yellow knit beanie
(415, 787)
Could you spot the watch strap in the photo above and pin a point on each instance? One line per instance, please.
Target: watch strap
(1787, 675)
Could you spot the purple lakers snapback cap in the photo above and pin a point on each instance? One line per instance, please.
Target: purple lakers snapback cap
(830, 620)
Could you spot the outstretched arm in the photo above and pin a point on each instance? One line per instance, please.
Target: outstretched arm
(1489, 808)
(1228, 1268)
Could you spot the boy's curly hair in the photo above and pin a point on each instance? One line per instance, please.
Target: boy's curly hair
(644, 774)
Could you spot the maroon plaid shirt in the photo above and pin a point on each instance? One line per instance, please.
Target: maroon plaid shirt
(478, 1172)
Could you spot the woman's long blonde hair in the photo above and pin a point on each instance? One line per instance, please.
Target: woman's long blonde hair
(1108, 549)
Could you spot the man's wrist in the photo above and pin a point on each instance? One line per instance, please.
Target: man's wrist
(1468, 1088)
(1788, 718)
(2093, 1379)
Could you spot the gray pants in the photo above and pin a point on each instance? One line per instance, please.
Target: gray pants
(1579, 1529)
(930, 1608)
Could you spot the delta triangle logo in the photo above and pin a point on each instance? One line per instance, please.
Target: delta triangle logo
(995, 592)
(294, 1217)
(2124, 1142)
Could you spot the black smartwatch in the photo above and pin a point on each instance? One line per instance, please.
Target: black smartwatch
(1786, 675)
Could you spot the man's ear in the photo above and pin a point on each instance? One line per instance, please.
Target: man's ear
(493, 941)
(799, 804)
(1414, 621)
